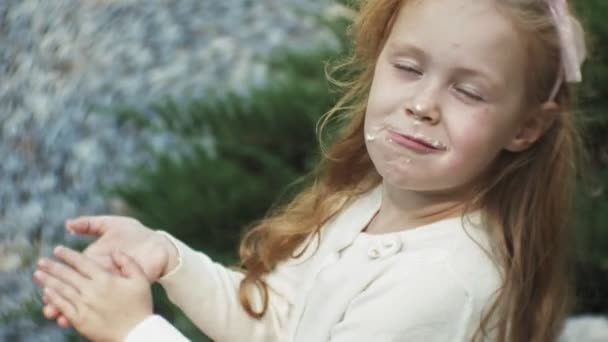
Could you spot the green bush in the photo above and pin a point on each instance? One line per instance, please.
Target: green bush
(592, 223)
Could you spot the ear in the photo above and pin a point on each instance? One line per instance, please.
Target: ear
(533, 127)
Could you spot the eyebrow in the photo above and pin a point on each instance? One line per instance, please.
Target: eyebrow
(402, 47)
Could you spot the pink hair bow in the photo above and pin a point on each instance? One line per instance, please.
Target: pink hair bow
(573, 51)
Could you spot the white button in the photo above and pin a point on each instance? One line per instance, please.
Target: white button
(373, 253)
(385, 246)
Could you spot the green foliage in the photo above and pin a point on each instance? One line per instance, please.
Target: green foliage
(592, 201)
(593, 99)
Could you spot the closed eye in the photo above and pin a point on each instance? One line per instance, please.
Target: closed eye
(470, 95)
(408, 69)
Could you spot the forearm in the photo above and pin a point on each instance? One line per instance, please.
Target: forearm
(207, 292)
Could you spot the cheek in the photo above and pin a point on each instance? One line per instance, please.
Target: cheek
(377, 104)
(390, 163)
(478, 141)
(385, 94)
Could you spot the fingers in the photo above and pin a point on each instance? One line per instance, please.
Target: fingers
(79, 262)
(61, 272)
(49, 311)
(90, 225)
(127, 265)
(63, 322)
(58, 298)
(49, 281)
(105, 262)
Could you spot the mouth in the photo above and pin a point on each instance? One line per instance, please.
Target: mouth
(416, 143)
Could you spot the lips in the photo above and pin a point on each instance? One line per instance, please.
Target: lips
(421, 142)
(414, 143)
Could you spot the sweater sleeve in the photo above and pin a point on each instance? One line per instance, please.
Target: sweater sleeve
(422, 303)
(154, 328)
(207, 293)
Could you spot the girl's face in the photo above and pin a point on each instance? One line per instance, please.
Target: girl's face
(447, 95)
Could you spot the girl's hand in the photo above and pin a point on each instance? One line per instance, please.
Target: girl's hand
(100, 305)
(151, 251)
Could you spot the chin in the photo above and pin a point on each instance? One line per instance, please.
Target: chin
(414, 180)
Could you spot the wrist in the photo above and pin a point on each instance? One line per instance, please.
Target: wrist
(171, 252)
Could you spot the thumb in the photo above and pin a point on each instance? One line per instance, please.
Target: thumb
(89, 225)
(128, 266)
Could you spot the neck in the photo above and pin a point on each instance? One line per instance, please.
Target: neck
(404, 209)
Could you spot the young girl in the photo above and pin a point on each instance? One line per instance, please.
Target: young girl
(440, 213)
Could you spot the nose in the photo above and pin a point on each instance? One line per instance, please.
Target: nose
(424, 106)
